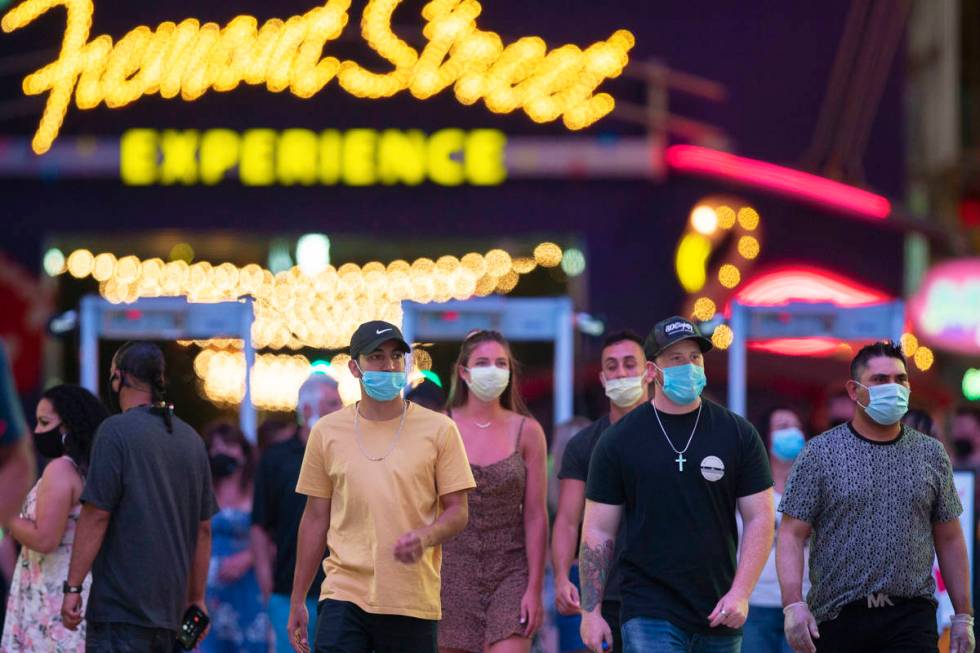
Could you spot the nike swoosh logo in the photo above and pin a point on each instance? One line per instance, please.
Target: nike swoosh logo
(380, 331)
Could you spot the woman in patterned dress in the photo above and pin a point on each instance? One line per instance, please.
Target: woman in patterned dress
(67, 419)
(493, 571)
(238, 620)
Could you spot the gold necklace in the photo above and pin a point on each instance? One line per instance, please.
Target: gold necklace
(394, 441)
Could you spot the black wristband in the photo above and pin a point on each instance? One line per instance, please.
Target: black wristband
(70, 589)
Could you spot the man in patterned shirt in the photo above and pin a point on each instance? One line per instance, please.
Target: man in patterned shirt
(878, 500)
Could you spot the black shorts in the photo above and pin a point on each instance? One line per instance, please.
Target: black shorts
(104, 637)
(908, 626)
(342, 627)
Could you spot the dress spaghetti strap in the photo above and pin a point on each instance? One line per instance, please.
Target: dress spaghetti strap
(520, 431)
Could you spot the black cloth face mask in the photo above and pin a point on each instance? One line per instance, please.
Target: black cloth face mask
(223, 465)
(50, 444)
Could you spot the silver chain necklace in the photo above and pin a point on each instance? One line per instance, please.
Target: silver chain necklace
(394, 441)
(680, 460)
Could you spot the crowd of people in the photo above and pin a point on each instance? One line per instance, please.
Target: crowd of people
(419, 522)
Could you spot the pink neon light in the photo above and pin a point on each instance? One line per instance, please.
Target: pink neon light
(802, 185)
(806, 284)
(798, 346)
(803, 283)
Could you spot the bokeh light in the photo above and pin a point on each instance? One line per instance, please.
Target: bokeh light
(704, 220)
(729, 275)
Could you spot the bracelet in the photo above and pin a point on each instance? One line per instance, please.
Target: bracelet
(962, 618)
(793, 605)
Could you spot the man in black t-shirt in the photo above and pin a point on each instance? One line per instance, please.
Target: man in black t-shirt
(145, 526)
(676, 469)
(625, 379)
(277, 509)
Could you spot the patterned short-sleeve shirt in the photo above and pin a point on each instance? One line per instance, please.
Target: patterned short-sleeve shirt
(871, 506)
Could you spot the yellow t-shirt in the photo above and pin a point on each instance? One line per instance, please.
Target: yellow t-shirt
(373, 503)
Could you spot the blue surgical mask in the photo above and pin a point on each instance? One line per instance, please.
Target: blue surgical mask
(887, 402)
(383, 386)
(787, 443)
(683, 384)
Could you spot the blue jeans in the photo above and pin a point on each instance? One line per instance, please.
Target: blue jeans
(763, 632)
(645, 635)
(279, 615)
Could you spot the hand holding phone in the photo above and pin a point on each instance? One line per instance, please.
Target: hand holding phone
(192, 627)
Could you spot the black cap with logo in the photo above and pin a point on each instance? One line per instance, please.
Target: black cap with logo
(371, 335)
(673, 329)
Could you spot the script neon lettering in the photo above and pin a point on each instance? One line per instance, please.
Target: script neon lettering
(189, 59)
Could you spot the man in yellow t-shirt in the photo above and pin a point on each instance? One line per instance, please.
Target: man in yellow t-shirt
(386, 483)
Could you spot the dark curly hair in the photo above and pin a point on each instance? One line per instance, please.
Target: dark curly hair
(80, 412)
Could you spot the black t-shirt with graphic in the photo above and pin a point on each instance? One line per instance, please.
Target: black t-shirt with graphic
(681, 540)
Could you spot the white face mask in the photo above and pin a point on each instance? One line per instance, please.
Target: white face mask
(626, 391)
(488, 383)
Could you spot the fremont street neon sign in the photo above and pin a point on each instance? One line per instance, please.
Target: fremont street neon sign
(188, 59)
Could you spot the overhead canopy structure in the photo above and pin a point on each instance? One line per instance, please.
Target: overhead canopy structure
(797, 320)
(519, 319)
(166, 318)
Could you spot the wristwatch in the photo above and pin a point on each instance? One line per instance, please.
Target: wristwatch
(70, 589)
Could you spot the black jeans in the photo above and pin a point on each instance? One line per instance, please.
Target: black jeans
(610, 612)
(908, 626)
(106, 637)
(342, 627)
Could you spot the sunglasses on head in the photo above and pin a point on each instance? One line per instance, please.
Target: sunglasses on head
(483, 332)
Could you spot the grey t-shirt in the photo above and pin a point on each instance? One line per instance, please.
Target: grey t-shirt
(872, 507)
(157, 487)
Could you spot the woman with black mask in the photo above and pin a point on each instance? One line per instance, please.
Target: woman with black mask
(67, 419)
(239, 621)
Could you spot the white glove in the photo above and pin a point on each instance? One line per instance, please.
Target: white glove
(800, 627)
(961, 638)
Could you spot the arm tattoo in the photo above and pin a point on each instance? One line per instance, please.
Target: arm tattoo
(595, 563)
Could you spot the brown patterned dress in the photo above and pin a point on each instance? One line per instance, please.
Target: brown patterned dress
(484, 569)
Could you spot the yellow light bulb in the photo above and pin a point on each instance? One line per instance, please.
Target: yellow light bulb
(748, 247)
(548, 255)
(524, 265)
(729, 275)
(924, 358)
(508, 282)
(704, 309)
(498, 262)
(722, 337)
(80, 263)
(909, 344)
(725, 216)
(748, 218)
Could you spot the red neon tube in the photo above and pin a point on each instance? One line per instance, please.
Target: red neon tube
(759, 174)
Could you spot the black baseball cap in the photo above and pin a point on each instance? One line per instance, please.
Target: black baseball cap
(371, 335)
(673, 329)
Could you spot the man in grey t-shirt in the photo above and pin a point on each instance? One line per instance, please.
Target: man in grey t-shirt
(144, 530)
(878, 500)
